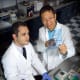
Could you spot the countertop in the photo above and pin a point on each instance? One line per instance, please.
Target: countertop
(72, 63)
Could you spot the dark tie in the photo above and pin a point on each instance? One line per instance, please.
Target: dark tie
(24, 52)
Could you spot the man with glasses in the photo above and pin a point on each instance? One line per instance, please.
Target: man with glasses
(55, 39)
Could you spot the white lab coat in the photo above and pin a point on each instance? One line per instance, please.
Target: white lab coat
(16, 67)
(52, 61)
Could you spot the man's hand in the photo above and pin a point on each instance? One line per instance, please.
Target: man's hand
(63, 49)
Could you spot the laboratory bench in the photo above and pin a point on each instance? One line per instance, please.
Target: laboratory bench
(68, 69)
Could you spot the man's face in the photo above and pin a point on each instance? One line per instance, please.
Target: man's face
(49, 19)
(23, 36)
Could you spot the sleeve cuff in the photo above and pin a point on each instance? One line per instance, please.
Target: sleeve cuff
(64, 55)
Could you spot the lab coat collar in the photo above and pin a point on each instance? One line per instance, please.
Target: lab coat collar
(17, 51)
(57, 27)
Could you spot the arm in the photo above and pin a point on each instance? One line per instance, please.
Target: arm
(67, 46)
(10, 69)
(39, 67)
(36, 63)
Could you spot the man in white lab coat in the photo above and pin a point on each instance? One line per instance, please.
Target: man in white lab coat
(15, 65)
(55, 38)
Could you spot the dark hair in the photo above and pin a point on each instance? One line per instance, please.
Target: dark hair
(16, 26)
(47, 8)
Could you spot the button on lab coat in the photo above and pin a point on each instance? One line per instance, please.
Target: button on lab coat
(16, 67)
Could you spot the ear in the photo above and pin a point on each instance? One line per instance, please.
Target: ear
(14, 36)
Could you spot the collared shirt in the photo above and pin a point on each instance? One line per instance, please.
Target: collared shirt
(51, 33)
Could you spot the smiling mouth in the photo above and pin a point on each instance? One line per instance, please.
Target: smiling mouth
(50, 28)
